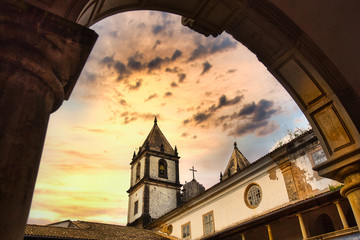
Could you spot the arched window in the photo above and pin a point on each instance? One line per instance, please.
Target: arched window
(162, 168)
(138, 172)
(324, 224)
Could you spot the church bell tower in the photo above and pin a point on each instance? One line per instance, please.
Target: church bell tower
(154, 184)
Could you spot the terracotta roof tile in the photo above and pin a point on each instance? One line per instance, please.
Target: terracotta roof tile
(93, 231)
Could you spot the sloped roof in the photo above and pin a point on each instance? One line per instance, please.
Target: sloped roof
(83, 230)
(156, 139)
(237, 162)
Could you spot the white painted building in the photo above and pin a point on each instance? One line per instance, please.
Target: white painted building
(278, 196)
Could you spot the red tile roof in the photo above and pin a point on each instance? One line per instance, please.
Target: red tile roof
(91, 231)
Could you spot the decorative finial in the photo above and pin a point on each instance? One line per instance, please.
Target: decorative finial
(134, 155)
(235, 145)
(221, 176)
(176, 152)
(155, 121)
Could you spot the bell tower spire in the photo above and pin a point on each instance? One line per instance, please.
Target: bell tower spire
(155, 121)
(154, 175)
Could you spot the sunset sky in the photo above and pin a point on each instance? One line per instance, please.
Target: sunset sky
(206, 93)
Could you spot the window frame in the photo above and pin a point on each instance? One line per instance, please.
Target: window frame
(136, 207)
(246, 195)
(310, 155)
(137, 171)
(182, 231)
(213, 222)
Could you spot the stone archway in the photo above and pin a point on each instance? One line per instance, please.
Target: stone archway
(46, 49)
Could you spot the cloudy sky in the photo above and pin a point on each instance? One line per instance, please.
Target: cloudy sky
(206, 93)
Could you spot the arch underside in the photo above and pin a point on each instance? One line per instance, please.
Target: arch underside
(320, 90)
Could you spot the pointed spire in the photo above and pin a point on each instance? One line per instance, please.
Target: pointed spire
(237, 162)
(155, 121)
(134, 155)
(176, 152)
(157, 141)
(221, 176)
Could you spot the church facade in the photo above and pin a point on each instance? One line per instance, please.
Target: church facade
(278, 196)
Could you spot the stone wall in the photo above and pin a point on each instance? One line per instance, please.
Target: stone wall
(162, 200)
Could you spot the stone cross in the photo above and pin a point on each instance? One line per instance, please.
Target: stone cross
(193, 170)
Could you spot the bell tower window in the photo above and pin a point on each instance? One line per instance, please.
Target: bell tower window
(162, 168)
(138, 172)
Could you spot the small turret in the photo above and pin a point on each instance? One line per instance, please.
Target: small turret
(237, 163)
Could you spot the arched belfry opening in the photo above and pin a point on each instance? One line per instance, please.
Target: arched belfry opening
(43, 55)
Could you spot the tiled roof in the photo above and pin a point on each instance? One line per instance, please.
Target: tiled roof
(237, 163)
(92, 231)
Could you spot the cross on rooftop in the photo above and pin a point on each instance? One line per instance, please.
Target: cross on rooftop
(193, 170)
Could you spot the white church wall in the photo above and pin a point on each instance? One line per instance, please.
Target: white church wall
(308, 181)
(161, 201)
(133, 170)
(171, 168)
(229, 205)
(136, 196)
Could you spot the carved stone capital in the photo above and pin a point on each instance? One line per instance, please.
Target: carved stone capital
(44, 45)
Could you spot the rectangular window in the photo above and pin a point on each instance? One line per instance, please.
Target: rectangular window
(185, 231)
(208, 222)
(136, 207)
(318, 157)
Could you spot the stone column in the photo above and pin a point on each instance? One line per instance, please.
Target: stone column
(341, 214)
(302, 226)
(269, 232)
(351, 190)
(41, 58)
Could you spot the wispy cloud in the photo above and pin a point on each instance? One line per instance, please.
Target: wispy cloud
(151, 97)
(182, 77)
(136, 85)
(168, 94)
(206, 67)
(136, 64)
(158, 42)
(129, 117)
(94, 130)
(223, 101)
(257, 119)
(204, 49)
